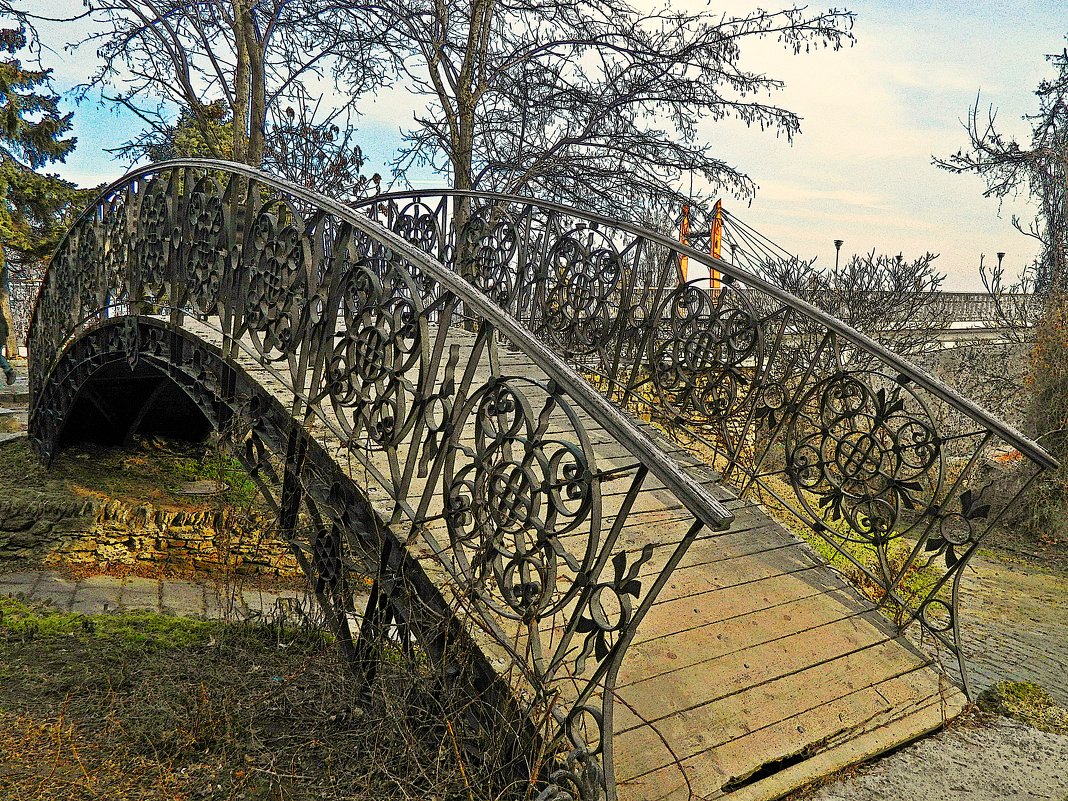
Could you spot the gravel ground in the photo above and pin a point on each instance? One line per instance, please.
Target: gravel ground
(999, 760)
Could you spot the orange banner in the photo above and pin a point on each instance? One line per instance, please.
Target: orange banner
(717, 245)
(684, 239)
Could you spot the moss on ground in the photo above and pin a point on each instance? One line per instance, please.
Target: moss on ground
(1026, 702)
(23, 621)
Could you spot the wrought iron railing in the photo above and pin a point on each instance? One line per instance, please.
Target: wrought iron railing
(381, 356)
(384, 328)
(896, 471)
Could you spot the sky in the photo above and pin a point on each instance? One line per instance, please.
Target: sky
(872, 117)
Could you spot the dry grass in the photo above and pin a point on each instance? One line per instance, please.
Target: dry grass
(91, 708)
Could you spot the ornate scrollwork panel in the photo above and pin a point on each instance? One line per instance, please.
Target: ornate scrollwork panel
(375, 371)
(584, 292)
(275, 262)
(515, 494)
(864, 451)
(154, 238)
(707, 355)
(487, 248)
(206, 245)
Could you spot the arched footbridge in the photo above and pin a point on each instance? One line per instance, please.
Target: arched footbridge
(577, 483)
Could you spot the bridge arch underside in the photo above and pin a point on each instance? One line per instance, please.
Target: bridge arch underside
(175, 384)
(119, 402)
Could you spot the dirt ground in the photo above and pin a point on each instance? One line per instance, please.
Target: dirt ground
(995, 760)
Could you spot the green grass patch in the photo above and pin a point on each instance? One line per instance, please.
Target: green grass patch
(1026, 702)
(212, 466)
(20, 620)
(124, 706)
(152, 471)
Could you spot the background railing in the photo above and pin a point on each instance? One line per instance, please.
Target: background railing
(398, 367)
(839, 437)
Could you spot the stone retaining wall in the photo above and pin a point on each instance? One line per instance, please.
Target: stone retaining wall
(112, 534)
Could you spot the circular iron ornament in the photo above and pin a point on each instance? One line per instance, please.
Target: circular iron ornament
(205, 247)
(584, 726)
(276, 257)
(487, 247)
(707, 354)
(584, 292)
(155, 230)
(865, 450)
(513, 494)
(937, 615)
(374, 375)
(418, 225)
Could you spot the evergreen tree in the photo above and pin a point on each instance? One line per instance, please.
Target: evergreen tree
(32, 133)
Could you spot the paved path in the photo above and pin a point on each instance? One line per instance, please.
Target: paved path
(1015, 620)
(1000, 761)
(19, 392)
(96, 594)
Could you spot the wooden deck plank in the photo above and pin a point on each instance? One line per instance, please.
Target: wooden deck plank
(822, 701)
(659, 665)
(754, 652)
(704, 777)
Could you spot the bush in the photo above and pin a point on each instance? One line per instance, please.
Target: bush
(1048, 419)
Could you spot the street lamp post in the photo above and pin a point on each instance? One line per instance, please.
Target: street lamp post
(837, 250)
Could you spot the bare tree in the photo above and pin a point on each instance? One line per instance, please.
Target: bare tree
(1040, 167)
(252, 58)
(315, 153)
(597, 104)
(892, 300)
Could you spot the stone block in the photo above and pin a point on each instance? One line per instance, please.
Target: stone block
(140, 593)
(183, 598)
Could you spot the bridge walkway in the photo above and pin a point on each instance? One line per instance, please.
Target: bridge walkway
(757, 670)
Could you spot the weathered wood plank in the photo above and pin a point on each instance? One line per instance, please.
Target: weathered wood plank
(822, 701)
(755, 656)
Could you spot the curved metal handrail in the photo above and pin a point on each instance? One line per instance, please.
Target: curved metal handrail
(921, 377)
(893, 468)
(217, 274)
(697, 499)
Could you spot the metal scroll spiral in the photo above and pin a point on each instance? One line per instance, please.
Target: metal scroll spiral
(205, 249)
(374, 373)
(418, 225)
(513, 495)
(276, 256)
(487, 246)
(584, 292)
(866, 451)
(707, 354)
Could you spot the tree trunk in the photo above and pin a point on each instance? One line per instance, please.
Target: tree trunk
(239, 111)
(251, 90)
(257, 117)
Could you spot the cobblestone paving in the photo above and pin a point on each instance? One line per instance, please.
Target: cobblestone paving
(1015, 620)
(95, 594)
